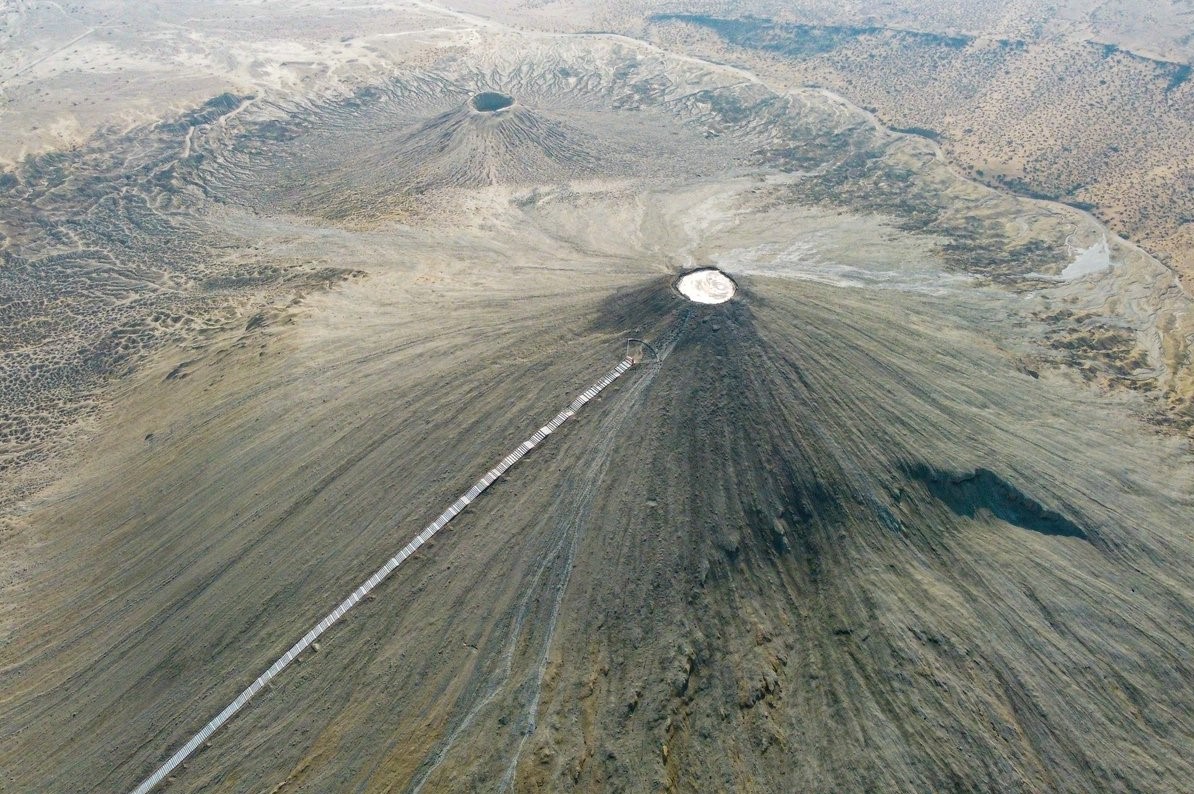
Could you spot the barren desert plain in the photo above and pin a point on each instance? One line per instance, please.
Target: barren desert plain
(868, 472)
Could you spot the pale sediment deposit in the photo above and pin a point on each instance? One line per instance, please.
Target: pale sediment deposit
(706, 286)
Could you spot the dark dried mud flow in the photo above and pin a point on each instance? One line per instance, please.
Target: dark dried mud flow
(910, 512)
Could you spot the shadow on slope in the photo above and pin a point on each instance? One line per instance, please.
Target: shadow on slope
(974, 493)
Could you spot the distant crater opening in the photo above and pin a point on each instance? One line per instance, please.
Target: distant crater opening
(491, 102)
(708, 285)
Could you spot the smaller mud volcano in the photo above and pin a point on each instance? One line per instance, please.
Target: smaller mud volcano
(491, 102)
(706, 286)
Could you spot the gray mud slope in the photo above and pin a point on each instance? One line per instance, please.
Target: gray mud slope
(811, 550)
(832, 554)
(865, 558)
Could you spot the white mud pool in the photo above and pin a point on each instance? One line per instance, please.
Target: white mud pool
(706, 286)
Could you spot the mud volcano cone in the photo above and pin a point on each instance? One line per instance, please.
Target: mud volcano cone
(810, 534)
(492, 139)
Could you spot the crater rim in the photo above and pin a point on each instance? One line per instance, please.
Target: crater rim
(490, 102)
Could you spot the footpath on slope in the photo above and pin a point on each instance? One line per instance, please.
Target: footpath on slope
(378, 577)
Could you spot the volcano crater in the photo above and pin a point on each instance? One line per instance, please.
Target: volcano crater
(491, 102)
